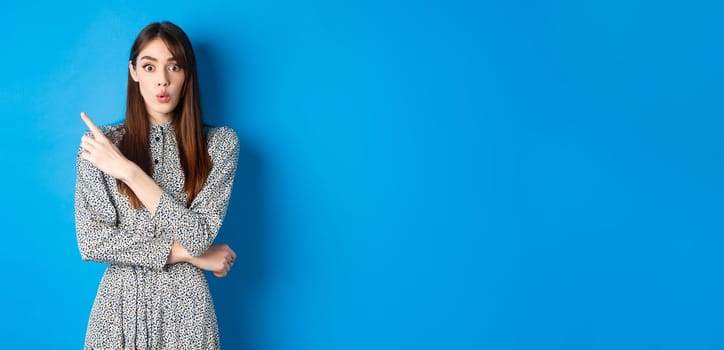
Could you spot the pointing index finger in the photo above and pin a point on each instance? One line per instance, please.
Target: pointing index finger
(93, 128)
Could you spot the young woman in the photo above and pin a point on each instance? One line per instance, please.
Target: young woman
(151, 195)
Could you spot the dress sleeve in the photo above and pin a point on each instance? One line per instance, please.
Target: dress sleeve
(96, 221)
(196, 227)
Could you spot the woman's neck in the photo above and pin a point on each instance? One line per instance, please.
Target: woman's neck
(159, 119)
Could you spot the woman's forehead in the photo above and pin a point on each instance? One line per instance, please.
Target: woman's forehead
(156, 50)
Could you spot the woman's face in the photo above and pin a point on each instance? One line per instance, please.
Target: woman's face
(159, 78)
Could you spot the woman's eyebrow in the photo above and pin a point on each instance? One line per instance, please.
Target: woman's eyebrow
(154, 59)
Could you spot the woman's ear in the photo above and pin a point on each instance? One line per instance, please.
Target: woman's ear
(132, 70)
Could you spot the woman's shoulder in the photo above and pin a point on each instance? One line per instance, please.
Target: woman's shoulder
(222, 142)
(220, 135)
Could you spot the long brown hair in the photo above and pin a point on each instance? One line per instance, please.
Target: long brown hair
(187, 120)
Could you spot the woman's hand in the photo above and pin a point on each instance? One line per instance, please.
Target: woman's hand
(218, 259)
(101, 152)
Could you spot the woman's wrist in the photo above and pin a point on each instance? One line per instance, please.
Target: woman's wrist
(130, 174)
(193, 260)
(142, 185)
(178, 254)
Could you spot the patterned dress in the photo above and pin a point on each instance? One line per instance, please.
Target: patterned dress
(143, 303)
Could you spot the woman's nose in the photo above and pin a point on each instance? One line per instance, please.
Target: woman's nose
(162, 80)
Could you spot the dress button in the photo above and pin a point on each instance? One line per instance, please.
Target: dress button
(155, 161)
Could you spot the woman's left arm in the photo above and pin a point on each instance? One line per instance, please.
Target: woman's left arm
(196, 227)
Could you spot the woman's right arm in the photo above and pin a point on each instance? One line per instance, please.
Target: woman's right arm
(99, 236)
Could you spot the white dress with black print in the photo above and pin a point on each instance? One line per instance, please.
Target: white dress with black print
(143, 303)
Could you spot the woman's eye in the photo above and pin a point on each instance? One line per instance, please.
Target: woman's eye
(148, 68)
(174, 68)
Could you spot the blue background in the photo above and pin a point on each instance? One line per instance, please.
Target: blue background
(413, 175)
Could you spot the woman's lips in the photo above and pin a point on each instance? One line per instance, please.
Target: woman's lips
(163, 98)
